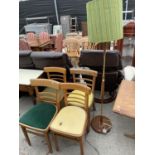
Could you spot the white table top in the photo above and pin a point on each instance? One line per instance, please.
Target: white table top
(25, 75)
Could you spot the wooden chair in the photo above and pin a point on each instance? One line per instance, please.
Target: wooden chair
(57, 74)
(44, 37)
(45, 41)
(59, 42)
(38, 119)
(32, 40)
(23, 45)
(71, 121)
(85, 44)
(73, 46)
(87, 77)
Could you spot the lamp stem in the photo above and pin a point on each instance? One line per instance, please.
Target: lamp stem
(103, 79)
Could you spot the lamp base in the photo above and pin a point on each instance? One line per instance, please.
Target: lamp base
(101, 124)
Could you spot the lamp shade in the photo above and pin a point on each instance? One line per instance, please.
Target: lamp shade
(104, 20)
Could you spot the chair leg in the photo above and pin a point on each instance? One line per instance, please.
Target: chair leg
(48, 142)
(88, 125)
(56, 142)
(94, 108)
(26, 135)
(81, 146)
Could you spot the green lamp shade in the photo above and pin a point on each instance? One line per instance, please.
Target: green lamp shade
(104, 20)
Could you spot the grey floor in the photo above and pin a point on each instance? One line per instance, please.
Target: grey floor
(113, 143)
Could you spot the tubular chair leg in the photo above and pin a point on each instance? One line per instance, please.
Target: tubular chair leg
(48, 142)
(81, 146)
(26, 135)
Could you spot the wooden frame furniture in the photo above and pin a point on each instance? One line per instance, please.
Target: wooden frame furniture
(84, 43)
(125, 100)
(73, 47)
(25, 75)
(56, 73)
(71, 121)
(37, 120)
(88, 77)
(23, 45)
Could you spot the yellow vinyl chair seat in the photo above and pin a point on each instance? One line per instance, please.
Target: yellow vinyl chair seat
(75, 99)
(70, 120)
(60, 93)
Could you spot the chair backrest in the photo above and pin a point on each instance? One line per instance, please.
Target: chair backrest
(44, 37)
(56, 73)
(72, 34)
(23, 45)
(84, 43)
(59, 42)
(32, 39)
(76, 93)
(86, 76)
(46, 96)
(72, 45)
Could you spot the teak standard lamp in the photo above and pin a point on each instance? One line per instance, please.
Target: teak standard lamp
(105, 24)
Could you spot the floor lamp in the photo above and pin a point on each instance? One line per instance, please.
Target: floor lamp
(105, 24)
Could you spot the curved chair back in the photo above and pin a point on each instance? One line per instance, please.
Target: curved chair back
(72, 45)
(56, 73)
(59, 43)
(44, 37)
(85, 44)
(32, 39)
(85, 76)
(50, 97)
(23, 45)
(76, 93)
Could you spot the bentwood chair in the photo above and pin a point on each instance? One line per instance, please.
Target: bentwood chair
(86, 77)
(57, 74)
(71, 121)
(37, 120)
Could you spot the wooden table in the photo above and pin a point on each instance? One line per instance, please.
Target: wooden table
(125, 100)
(25, 75)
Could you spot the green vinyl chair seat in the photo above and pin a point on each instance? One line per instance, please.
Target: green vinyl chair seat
(39, 116)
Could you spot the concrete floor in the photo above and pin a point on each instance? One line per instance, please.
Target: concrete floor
(113, 143)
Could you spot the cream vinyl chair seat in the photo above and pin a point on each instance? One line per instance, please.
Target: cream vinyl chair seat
(67, 122)
(78, 97)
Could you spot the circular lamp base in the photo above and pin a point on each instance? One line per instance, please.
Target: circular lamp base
(101, 124)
